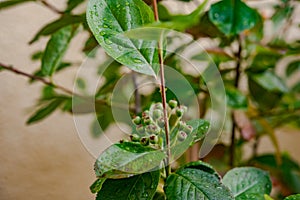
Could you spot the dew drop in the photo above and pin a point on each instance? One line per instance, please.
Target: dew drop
(102, 33)
(137, 60)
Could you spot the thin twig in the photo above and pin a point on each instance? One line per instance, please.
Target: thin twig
(236, 84)
(51, 7)
(163, 93)
(37, 78)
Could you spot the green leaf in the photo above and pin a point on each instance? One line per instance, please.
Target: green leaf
(71, 4)
(110, 19)
(10, 3)
(267, 197)
(248, 183)
(235, 98)
(54, 26)
(139, 187)
(263, 61)
(182, 22)
(293, 197)
(126, 159)
(293, 67)
(200, 128)
(56, 49)
(97, 185)
(192, 183)
(202, 166)
(232, 16)
(45, 111)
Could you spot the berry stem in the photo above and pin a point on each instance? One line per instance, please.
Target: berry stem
(163, 93)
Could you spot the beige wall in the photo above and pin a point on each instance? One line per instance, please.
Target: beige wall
(47, 160)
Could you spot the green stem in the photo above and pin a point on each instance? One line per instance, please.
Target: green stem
(163, 93)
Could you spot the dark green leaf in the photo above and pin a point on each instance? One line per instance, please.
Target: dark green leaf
(90, 44)
(263, 61)
(235, 98)
(191, 183)
(139, 187)
(127, 159)
(104, 119)
(293, 67)
(281, 15)
(248, 183)
(159, 196)
(37, 55)
(54, 26)
(202, 166)
(45, 111)
(232, 16)
(71, 4)
(97, 185)
(293, 197)
(10, 3)
(56, 49)
(110, 19)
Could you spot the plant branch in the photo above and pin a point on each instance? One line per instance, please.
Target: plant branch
(236, 84)
(51, 7)
(163, 93)
(37, 78)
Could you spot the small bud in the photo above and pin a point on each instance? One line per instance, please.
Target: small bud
(123, 140)
(145, 114)
(157, 114)
(137, 120)
(161, 122)
(147, 120)
(152, 129)
(182, 125)
(188, 129)
(153, 139)
(140, 129)
(173, 104)
(144, 141)
(135, 138)
(181, 136)
(158, 106)
(179, 112)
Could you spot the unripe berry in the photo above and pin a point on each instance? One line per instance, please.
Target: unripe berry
(181, 136)
(179, 112)
(188, 129)
(157, 114)
(137, 120)
(135, 138)
(173, 104)
(152, 129)
(140, 129)
(182, 125)
(158, 106)
(144, 141)
(161, 122)
(153, 139)
(147, 120)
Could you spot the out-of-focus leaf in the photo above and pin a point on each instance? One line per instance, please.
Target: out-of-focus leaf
(127, 159)
(56, 48)
(293, 67)
(263, 61)
(45, 111)
(248, 183)
(37, 55)
(109, 20)
(235, 98)
(293, 197)
(233, 16)
(71, 4)
(194, 183)
(90, 44)
(296, 88)
(142, 186)
(10, 3)
(267, 197)
(182, 22)
(103, 120)
(281, 15)
(54, 26)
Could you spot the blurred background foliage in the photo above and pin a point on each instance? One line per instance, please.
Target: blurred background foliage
(251, 45)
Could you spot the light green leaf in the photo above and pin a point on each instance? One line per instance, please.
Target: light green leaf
(235, 98)
(192, 183)
(127, 159)
(110, 19)
(267, 197)
(54, 26)
(232, 16)
(10, 3)
(293, 197)
(182, 22)
(248, 183)
(97, 185)
(139, 187)
(56, 49)
(45, 111)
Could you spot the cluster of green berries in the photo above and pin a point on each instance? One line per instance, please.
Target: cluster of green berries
(150, 126)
